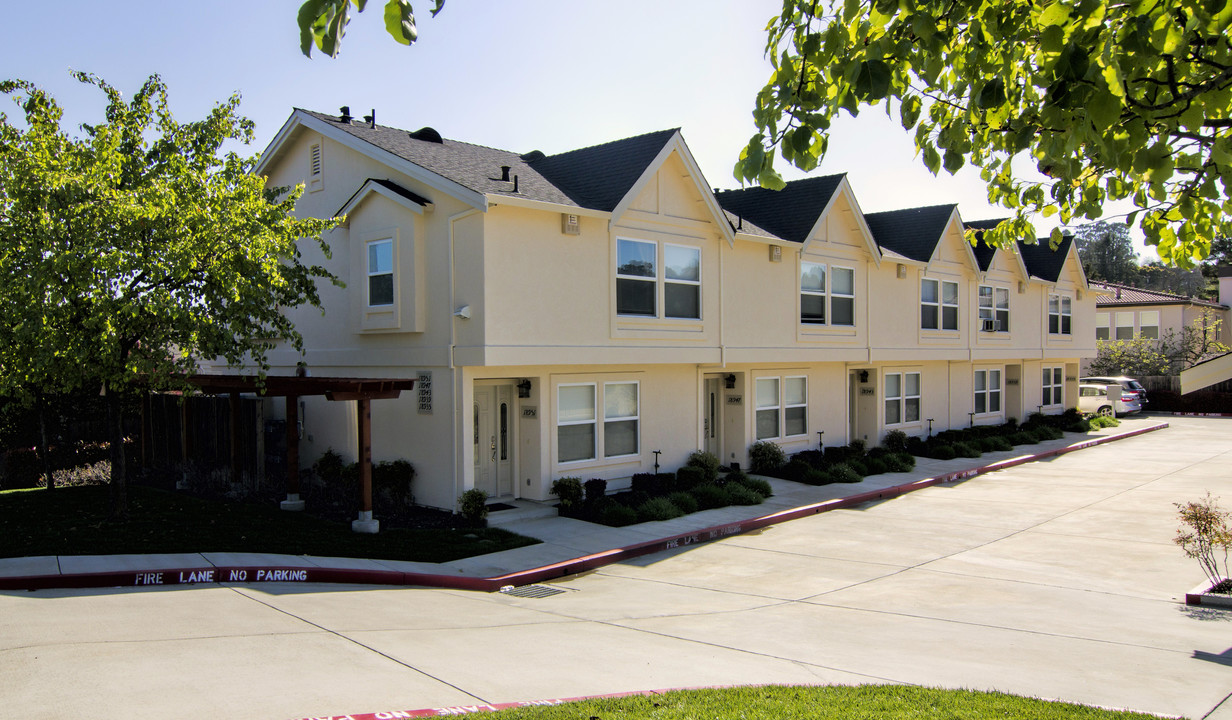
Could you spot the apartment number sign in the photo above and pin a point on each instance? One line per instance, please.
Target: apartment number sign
(424, 381)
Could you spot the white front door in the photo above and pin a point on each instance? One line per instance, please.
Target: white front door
(493, 440)
(712, 417)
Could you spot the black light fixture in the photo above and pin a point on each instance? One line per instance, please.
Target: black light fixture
(730, 382)
(524, 388)
(863, 376)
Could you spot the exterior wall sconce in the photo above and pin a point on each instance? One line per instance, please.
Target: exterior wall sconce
(1022, 287)
(729, 382)
(863, 376)
(776, 253)
(524, 388)
(902, 271)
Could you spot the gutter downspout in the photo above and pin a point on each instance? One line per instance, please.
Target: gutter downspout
(456, 383)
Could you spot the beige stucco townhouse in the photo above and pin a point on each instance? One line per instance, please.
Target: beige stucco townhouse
(601, 311)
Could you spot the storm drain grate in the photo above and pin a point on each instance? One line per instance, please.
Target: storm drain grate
(531, 591)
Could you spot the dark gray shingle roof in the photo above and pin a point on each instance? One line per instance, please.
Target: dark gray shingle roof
(983, 252)
(912, 233)
(594, 178)
(1042, 261)
(788, 213)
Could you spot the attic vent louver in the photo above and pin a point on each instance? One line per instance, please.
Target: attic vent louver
(532, 156)
(427, 134)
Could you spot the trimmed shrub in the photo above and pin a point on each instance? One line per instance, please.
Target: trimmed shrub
(795, 470)
(966, 449)
(710, 496)
(877, 465)
(1097, 423)
(899, 462)
(596, 488)
(996, 443)
(895, 441)
(857, 447)
(757, 485)
(645, 482)
(633, 498)
(393, 477)
(1081, 425)
(859, 466)
(473, 505)
(667, 483)
(689, 477)
(707, 462)
(1022, 437)
(686, 502)
(844, 473)
(940, 451)
(657, 509)
(819, 477)
(740, 495)
(917, 446)
(765, 457)
(569, 492)
(617, 515)
(815, 458)
(1048, 432)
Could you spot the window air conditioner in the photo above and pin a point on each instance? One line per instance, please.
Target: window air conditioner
(988, 325)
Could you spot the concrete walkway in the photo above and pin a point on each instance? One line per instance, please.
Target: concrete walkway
(569, 546)
(1053, 579)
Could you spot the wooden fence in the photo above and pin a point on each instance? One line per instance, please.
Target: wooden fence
(259, 448)
(1173, 383)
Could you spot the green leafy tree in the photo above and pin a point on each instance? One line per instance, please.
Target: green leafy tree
(1137, 356)
(1109, 101)
(1179, 281)
(130, 252)
(323, 22)
(1107, 252)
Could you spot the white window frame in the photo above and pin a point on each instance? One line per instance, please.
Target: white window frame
(989, 392)
(1124, 319)
(599, 420)
(827, 294)
(1053, 387)
(370, 274)
(997, 308)
(1060, 307)
(1143, 317)
(660, 280)
(636, 418)
(1103, 321)
(902, 397)
(592, 421)
(780, 407)
(941, 304)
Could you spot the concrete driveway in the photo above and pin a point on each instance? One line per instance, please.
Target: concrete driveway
(1056, 579)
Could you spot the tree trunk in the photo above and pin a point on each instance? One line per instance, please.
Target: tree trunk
(44, 457)
(115, 433)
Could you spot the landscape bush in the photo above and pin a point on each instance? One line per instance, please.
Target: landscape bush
(617, 515)
(966, 450)
(569, 492)
(689, 477)
(765, 457)
(710, 496)
(757, 485)
(707, 462)
(844, 473)
(596, 488)
(738, 494)
(658, 509)
(473, 505)
(684, 501)
(895, 441)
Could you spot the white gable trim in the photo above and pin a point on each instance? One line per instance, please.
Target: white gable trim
(955, 222)
(495, 199)
(371, 186)
(299, 118)
(676, 144)
(844, 189)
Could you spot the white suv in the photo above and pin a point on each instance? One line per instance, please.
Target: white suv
(1130, 388)
(1093, 399)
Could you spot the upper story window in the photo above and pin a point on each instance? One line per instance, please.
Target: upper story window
(380, 273)
(782, 407)
(994, 309)
(987, 392)
(1059, 314)
(645, 282)
(816, 295)
(938, 305)
(1148, 324)
(1125, 326)
(902, 398)
(1102, 326)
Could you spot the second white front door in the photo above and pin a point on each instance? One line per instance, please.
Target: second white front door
(493, 440)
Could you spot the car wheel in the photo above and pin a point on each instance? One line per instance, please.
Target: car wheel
(1105, 411)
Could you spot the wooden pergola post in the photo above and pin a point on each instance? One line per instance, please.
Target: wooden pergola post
(186, 442)
(293, 501)
(365, 523)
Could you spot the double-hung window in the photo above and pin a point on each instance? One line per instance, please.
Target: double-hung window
(1102, 326)
(1148, 324)
(1053, 381)
(782, 407)
(938, 305)
(652, 286)
(577, 434)
(902, 398)
(987, 391)
(815, 297)
(1125, 326)
(994, 309)
(380, 273)
(1059, 314)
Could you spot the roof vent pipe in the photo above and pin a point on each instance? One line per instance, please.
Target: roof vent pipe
(504, 173)
(371, 119)
(345, 117)
(515, 183)
(1118, 293)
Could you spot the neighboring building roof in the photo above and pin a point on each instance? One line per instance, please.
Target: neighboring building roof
(912, 233)
(1118, 294)
(596, 178)
(1042, 261)
(983, 252)
(790, 213)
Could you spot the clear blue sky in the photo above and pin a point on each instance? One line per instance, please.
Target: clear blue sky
(551, 75)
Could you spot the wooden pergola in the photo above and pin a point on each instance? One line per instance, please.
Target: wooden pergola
(292, 388)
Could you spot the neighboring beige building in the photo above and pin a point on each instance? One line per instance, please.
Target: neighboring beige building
(601, 312)
(1124, 312)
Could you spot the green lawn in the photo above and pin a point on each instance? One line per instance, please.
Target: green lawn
(867, 702)
(74, 521)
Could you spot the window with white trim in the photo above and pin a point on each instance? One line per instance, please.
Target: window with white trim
(815, 297)
(1060, 314)
(938, 305)
(1148, 324)
(987, 392)
(578, 438)
(994, 308)
(1053, 382)
(380, 273)
(902, 398)
(1125, 326)
(652, 286)
(1103, 326)
(782, 407)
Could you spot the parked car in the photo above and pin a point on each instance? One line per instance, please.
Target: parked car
(1128, 386)
(1093, 399)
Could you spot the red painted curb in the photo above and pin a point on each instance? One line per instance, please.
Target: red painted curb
(251, 574)
(490, 707)
(1195, 414)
